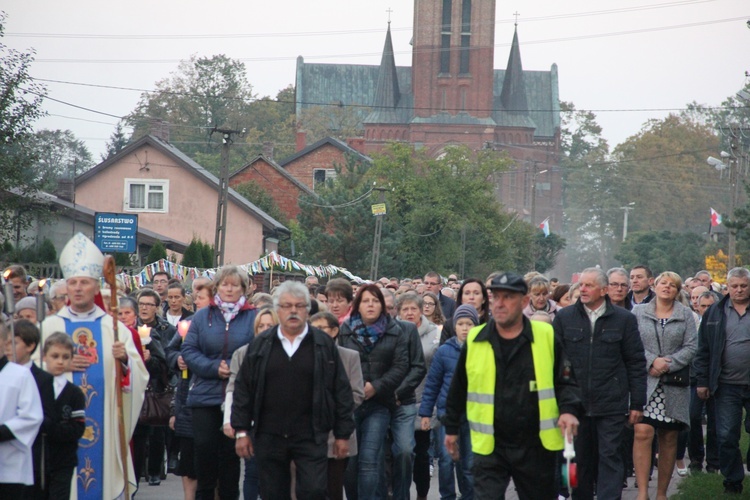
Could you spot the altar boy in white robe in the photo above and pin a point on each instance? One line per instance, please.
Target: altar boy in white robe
(100, 472)
(20, 418)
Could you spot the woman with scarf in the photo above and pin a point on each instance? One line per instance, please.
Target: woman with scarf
(215, 333)
(539, 298)
(382, 349)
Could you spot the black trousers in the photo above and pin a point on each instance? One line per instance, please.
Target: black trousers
(12, 491)
(421, 467)
(215, 458)
(274, 455)
(599, 457)
(532, 469)
(58, 483)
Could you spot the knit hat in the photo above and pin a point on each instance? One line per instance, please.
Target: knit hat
(465, 311)
(26, 303)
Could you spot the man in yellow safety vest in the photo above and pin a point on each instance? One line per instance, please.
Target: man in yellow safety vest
(516, 387)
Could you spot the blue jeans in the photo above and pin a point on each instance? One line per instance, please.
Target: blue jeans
(251, 483)
(363, 471)
(402, 432)
(696, 449)
(729, 401)
(462, 467)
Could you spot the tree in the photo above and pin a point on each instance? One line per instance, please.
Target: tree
(207, 250)
(682, 253)
(47, 252)
(193, 256)
(333, 120)
(20, 106)
(157, 252)
(58, 154)
(116, 143)
(546, 250)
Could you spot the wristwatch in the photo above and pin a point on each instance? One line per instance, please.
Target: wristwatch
(240, 435)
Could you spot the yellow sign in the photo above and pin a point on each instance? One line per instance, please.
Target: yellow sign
(378, 209)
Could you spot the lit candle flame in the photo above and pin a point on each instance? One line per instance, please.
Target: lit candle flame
(182, 327)
(42, 283)
(144, 332)
(6, 274)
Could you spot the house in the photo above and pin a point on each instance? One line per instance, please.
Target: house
(283, 187)
(176, 197)
(316, 163)
(451, 94)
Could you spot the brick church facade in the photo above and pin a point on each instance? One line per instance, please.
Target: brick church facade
(452, 95)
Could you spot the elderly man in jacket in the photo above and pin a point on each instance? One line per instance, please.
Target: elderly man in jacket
(722, 368)
(608, 359)
(291, 390)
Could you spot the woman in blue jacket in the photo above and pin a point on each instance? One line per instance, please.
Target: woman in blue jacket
(215, 333)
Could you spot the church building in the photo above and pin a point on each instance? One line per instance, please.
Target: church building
(452, 94)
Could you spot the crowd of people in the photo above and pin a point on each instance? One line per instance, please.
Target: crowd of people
(365, 390)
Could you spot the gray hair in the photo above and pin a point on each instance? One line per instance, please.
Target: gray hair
(128, 302)
(620, 270)
(601, 276)
(56, 286)
(704, 272)
(293, 288)
(737, 272)
(707, 295)
(410, 297)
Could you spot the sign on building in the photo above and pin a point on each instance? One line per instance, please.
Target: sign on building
(116, 232)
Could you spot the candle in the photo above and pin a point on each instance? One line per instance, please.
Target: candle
(41, 303)
(10, 303)
(145, 333)
(183, 327)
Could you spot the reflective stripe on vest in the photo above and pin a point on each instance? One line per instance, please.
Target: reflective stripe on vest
(480, 401)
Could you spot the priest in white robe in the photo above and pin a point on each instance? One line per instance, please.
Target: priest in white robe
(21, 416)
(100, 472)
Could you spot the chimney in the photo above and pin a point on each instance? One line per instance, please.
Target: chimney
(64, 189)
(160, 129)
(301, 140)
(357, 143)
(268, 150)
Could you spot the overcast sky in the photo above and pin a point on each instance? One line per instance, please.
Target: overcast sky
(629, 60)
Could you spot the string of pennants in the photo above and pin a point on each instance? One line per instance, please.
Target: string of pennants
(269, 262)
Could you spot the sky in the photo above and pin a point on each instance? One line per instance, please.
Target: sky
(628, 60)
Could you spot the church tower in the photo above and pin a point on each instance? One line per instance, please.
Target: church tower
(452, 58)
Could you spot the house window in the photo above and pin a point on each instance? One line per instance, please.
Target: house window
(146, 195)
(321, 175)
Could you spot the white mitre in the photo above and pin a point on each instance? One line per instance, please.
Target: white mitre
(81, 258)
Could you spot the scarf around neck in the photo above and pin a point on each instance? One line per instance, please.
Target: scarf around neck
(229, 309)
(366, 335)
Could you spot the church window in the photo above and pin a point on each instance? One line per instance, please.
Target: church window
(465, 36)
(445, 38)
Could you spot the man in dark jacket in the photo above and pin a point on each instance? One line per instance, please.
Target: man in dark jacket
(608, 359)
(291, 390)
(722, 370)
(519, 370)
(434, 283)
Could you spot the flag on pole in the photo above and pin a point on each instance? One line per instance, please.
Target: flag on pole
(544, 226)
(715, 218)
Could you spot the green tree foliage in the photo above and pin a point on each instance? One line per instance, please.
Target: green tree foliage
(208, 92)
(546, 250)
(193, 256)
(429, 202)
(59, 155)
(259, 197)
(123, 259)
(663, 170)
(20, 106)
(341, 122)
(47, 252)
(116, 143)
(682, 253)
(207, 251)
(157, 252)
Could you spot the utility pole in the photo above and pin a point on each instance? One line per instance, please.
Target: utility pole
(627, 210)
(533, 211)
(221, 206)
(737, 155)
(379, 211)
(462, 264)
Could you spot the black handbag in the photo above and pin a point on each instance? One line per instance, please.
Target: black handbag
(678, 378)
(156, 404)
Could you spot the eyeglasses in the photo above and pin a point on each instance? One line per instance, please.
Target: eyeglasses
(145, 304)
(60, 297)
(429, 304)
(618, 285)
(431, 284)
(289, 307)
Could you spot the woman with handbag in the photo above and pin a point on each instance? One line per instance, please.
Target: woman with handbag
(215, 333)
(670, 340)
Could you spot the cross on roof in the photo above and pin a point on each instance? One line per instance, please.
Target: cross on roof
(516, 14)
(389, 11)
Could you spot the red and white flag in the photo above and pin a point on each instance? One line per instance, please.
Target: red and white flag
(715, 218)
(544, 226)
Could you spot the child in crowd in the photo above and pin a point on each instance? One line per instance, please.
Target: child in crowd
(69, 413)
(436, 392)
(20, 418)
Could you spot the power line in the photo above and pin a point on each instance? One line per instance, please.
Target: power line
(373, 54)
